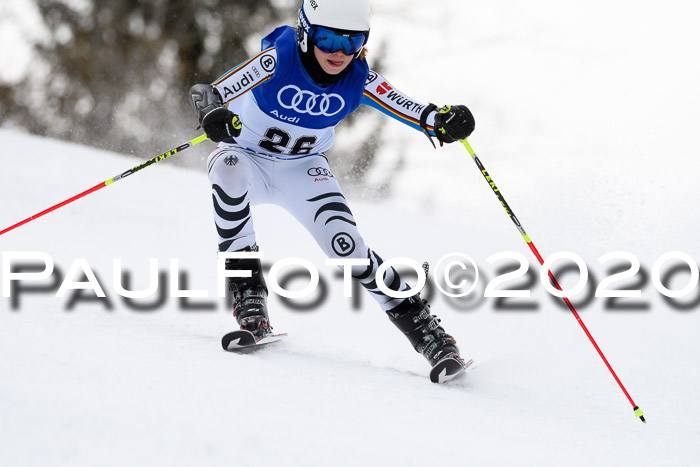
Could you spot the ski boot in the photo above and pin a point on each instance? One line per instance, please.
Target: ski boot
(249, 296)
(423, 330)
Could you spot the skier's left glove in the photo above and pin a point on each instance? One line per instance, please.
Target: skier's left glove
(453, 123)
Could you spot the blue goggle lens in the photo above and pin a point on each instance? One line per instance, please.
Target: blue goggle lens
(330, 41)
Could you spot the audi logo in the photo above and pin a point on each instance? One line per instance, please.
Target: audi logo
(306, 102)
(319, 172)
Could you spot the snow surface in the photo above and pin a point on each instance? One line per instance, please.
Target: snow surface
(587, 115)
(98, 386)
(605, 90)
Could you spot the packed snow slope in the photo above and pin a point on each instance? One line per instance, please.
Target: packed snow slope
(587, 115)
(99, 382)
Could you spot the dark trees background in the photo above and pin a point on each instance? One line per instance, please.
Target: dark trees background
(114, 74)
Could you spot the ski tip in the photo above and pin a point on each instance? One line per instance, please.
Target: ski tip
(242, 340)
(237, 339)
(449, 368)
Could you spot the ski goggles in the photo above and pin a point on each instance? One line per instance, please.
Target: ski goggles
(329, 40)
(332, 40)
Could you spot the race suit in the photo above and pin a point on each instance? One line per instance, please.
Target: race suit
(288, 123)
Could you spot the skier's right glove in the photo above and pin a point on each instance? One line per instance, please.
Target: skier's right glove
(221, 124)
(217, 121)
(453, 123)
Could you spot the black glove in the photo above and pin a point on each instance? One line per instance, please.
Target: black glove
(453, 123)
(220, 124)
(217, 121)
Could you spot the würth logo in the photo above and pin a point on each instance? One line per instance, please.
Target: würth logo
(384, 88)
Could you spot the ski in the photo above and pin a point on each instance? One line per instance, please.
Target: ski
(451, 367)
(245, 341)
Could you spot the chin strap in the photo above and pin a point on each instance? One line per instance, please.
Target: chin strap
(302, 39)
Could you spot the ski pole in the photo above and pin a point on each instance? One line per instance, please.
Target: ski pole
(637, 411)
(108, 182)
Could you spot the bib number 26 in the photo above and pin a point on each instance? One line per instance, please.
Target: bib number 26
(277, 142)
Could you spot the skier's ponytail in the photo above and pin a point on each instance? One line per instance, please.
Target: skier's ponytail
(363, 53)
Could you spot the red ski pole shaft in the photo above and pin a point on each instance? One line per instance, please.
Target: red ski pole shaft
(108, 182)
(637, 411)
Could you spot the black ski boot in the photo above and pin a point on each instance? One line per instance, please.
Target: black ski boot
(249, 296)
(423, 330)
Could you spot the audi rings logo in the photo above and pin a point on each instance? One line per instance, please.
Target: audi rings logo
(306, 102)
(319, 172)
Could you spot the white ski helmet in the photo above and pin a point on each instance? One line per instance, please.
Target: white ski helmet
(344, 15)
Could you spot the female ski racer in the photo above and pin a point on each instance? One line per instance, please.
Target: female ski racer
(283, 106)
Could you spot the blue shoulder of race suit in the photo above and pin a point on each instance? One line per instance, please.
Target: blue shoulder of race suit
(269, 40)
